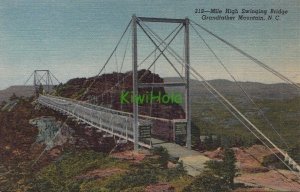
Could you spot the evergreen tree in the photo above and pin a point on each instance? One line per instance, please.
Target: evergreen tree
(224, 169)
(229, 169)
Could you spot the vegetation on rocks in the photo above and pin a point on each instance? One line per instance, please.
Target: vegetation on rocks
(63, 174)
(223, 130)
(218, 176)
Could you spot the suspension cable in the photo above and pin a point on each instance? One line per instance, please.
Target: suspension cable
(88, 88)
(162, 51)
(125, 52)
(29, 78)
(163, 42)
(122, 63)
(130, 73)
(241, 87)
(233, 108)
(55, 77)
(158, 38)
(103, 67)
(235, 113)
(240, 113)
(117, 65)
(151, 102)
(255, 60)
(171, 51)
(242, 117)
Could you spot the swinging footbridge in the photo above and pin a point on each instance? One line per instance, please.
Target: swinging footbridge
(137, 128)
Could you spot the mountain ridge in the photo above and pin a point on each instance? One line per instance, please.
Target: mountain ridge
(19, 90)
(256, 90)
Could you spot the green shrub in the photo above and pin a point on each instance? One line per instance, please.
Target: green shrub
(170, 174)
(60, 175)
(273, 161)
(135, 178)
(93, 186)
(163, 154)
(207, 182)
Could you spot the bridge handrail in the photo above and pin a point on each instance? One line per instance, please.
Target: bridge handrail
(113, 110)
(107, 110)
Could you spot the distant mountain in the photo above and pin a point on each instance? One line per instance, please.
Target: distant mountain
(19, 90)
(228, 88)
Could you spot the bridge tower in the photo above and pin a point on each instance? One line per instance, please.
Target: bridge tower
(186, 83)
(43, 79)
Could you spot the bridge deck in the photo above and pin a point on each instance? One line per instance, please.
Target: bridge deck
(119, 123)
(114, 122)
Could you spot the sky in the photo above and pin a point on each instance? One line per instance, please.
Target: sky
(73, 38)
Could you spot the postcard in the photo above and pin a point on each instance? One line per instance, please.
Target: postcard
(162, 95)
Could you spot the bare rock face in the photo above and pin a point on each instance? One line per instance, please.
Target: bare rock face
(51, 132)
(106, 90)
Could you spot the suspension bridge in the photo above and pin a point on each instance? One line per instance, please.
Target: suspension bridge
(137, 128)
